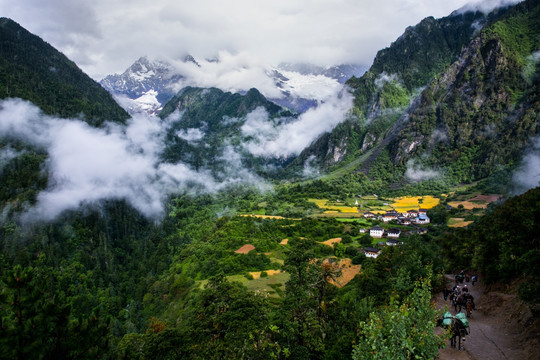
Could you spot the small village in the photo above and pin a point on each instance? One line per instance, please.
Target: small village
(392, 235)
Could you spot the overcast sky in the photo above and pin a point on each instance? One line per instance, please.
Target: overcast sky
(105, 36)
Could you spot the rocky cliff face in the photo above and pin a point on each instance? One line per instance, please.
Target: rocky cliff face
(480, 114)
(385, 92)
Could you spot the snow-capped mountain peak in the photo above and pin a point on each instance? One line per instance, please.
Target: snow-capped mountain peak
(148, 84)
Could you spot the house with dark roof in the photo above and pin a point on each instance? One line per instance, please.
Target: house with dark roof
(372, 252)
(404, 220)
(393, 233)
(369, 215)
(376, 232)
(392, 242)
(411, 213)
(390, 215)
(422, 219)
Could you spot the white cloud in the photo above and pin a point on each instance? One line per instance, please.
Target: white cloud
(292, 136)
(486, 6)
(310, 171)
(384, 78)
(527, 176)
(439, 136)
(87, 164)
(190, 135)
(229, 72)
(6, 155)
(416, 172)
(105, 37)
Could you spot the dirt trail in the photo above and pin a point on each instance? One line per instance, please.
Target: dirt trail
(491, 336)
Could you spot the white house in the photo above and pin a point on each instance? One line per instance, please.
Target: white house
(376, 232)
(422, 219)
(393, 233)
(372, 252)
(411, 213)
(404, 220)
(389, 216)
(369, 215)
(392, 242)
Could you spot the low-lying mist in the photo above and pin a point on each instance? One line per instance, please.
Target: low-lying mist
(86, 165)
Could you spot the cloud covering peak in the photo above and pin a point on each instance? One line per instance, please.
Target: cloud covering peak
(105, 37)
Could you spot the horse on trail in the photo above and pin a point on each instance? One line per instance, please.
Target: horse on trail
(457, 331)
(456, 328)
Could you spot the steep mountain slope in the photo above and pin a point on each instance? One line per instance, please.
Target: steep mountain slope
(480, 114)
(33, 70)
(206, 126)
(386, 90)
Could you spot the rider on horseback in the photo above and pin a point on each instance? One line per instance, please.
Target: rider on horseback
(467, 296)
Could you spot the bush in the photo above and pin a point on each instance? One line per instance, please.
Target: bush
(346, 239)
(264, 274)
(359, 259)
(352, 251)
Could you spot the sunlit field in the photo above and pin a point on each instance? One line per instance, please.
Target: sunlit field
(405, 203)
(323, 204)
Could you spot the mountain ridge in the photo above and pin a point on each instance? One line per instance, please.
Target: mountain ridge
(388, 100)
(33, 70)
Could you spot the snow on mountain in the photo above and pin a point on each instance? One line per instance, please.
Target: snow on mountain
(148, 84)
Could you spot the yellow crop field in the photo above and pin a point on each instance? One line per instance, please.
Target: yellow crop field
(319, 202)
(331, 209)
(343, 209)
(405, 203)
(331, 242)
(257, 274)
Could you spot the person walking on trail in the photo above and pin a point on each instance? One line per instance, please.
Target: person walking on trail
(474, 279)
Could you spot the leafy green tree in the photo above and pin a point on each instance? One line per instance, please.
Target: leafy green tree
(401, 331)
(304, 309)
(222, 318)
(339, 250)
